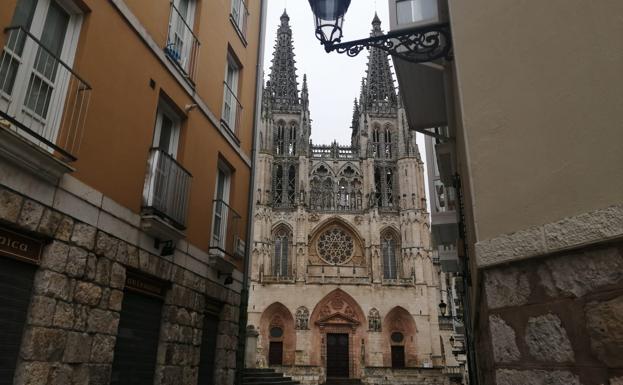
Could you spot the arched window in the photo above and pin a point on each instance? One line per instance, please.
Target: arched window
(381, 145)
(280, 138)
(291, 184)
(292, 140)
(390, 250)
(278, 185)
(281, 252)
(387, 146)
(384, 185)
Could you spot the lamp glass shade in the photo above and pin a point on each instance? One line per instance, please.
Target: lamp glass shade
(442, 307)
(329, 17)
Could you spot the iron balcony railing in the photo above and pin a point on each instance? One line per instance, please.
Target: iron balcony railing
(41, 97)
(227, 230)
(167, 188)
(239, 14)
(182, 44)
(232, 110)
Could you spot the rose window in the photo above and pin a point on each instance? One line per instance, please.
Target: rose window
(335, 246)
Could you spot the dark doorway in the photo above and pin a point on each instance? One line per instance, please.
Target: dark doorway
(15, 286)
(275, 353)
(208, 347)
(337, 355)
(398, 357)
(137, 340)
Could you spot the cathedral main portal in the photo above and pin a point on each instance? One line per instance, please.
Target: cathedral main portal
(338, 355)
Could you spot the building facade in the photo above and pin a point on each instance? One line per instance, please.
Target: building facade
(537, 235)
(343, 282)
(126, 136)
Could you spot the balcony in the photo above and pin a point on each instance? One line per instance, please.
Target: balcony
(43, 107)
(165, 197)
(227, 244)
(238, 17)
(182, 46)
(232, 111)
(453, 371)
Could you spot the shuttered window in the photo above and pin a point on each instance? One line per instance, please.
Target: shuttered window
(137, 340)
(16, 279)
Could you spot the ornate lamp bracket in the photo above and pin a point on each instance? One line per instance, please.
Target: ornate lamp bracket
(416, 45)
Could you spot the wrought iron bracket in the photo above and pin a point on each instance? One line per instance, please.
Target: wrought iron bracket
(416, 45)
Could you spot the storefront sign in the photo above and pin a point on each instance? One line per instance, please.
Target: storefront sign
(145, 284)
(20, 246)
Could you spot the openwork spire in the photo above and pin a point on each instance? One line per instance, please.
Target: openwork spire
(282, 86)
(380, 93)
(355, 121)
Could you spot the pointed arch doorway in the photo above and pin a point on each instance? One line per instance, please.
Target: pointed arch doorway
(337, 321)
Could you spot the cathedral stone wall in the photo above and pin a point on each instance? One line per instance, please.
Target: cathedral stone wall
(342, 281)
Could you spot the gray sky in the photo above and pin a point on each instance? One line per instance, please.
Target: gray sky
(333, 79)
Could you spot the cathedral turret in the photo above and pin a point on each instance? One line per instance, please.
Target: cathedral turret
(379, 87)
(282, 86)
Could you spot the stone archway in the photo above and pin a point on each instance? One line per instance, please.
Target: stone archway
(338, 315)
(278, 316)
(399, 321)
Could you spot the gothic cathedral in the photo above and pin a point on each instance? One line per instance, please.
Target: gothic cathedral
(343, 282)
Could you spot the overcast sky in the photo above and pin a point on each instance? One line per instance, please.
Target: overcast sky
(333, 79)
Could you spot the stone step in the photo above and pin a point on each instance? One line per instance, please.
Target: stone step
(343, 381)
(265, 377)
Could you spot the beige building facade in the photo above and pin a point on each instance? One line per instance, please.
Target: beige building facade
(126, 136)
(529, 154)
(343, 281)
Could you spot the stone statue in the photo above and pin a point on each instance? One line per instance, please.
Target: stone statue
(374, 320)
(302, 318)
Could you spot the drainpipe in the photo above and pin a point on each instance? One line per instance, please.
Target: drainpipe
(244, 294)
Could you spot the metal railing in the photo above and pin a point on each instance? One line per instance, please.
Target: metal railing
(182, 44)
(41, 97)
(453, 371)
(167, 188)
(227, 230)
(232, 110)
(239, 14)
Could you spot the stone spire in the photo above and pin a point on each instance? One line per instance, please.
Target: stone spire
(282, 86)
(304, 92)
(355, 121)
(380, 91)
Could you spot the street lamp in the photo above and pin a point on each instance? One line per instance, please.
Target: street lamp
(442, 307)
(423, 43)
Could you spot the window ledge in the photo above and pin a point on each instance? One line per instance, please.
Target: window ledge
(237, 29)
(29, 156)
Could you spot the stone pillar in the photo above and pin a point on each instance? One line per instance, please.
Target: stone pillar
(250, 347)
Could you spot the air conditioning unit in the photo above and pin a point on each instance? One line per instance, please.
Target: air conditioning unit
(240, 248)
(446, 162)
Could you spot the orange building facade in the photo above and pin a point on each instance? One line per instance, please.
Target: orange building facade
(126, 144)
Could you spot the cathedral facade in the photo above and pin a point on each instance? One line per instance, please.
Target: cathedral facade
(343, 282)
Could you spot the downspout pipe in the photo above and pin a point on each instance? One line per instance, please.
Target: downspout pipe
(244, 294)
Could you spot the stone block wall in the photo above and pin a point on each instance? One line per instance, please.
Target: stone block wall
(555, 320)
(77, 296)
(389, 376)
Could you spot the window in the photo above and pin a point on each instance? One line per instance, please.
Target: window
(167, 130)
(389, 249)
(416, 11)
(182, 46)
(231, 105)
(221, 206)
(281, 252)
(384, 185)
(35, 79)
(239, 15)
(284, 184)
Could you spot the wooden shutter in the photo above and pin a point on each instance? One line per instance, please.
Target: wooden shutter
(208, 344)
(137, 341)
